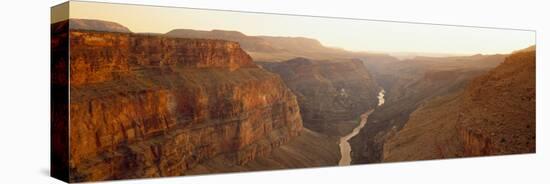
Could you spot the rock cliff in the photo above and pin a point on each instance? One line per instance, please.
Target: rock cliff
(493, 115)
(146, 106)
(328, 91)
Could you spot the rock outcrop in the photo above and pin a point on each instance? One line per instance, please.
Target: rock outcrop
(146, 106)
(494, 115)
(328, 91)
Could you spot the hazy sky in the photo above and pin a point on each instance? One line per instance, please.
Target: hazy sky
(355, 35)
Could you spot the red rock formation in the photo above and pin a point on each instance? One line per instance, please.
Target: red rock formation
(121, 51)
(145, 106)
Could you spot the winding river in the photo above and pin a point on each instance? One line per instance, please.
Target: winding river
(345, 147)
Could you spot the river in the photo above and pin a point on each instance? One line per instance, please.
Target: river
(345, 147)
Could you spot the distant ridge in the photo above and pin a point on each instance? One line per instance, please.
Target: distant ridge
(97, 25)
(277, 48)
(260, 48)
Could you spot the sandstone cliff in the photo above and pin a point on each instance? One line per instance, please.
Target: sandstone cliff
(494, 115)
(145, 106)
(328, 92)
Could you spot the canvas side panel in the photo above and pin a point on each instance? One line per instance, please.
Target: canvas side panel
(59, 91)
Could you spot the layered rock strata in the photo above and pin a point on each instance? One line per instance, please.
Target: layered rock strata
(146, 106)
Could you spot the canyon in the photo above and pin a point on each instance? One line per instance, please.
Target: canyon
(192, 102)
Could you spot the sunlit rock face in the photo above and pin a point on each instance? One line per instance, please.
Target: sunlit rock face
(146, 105)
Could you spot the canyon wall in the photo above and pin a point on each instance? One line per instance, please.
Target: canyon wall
(328, 92)
(146, 105)
(493, 115)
